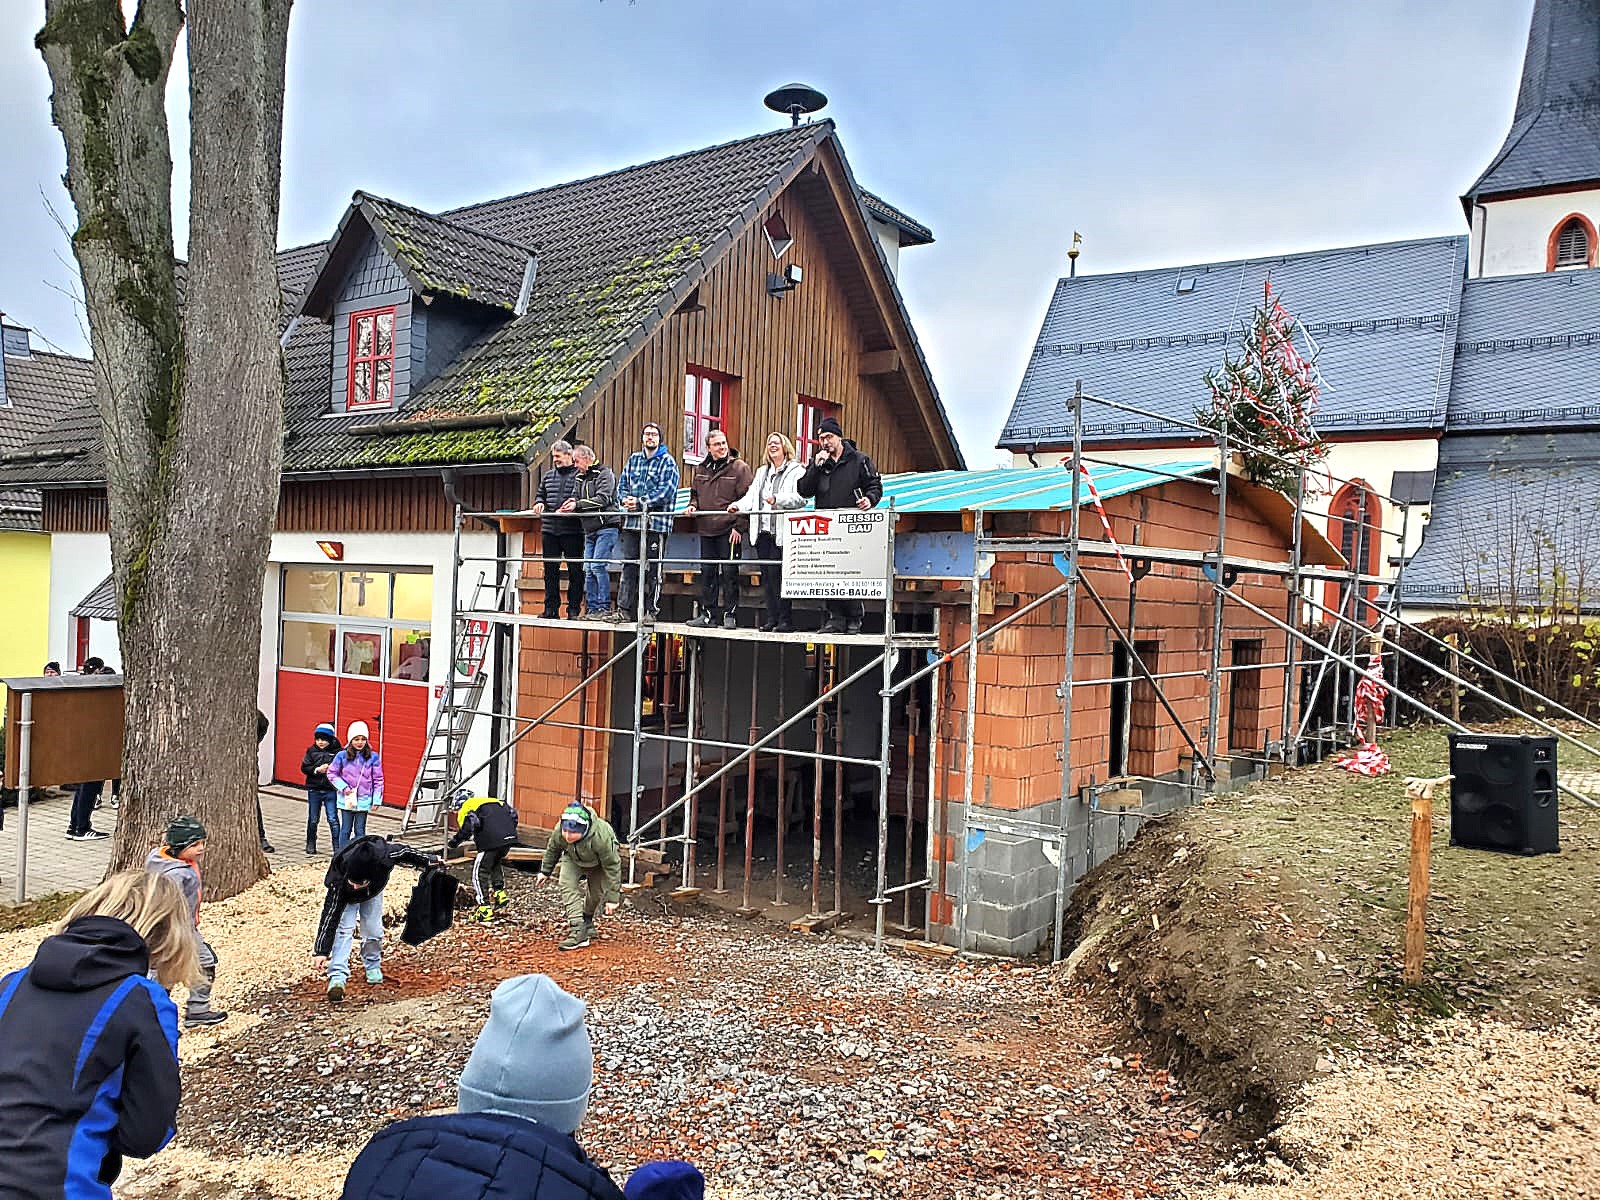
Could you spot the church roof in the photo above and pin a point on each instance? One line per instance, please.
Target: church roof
(1528, 354)
(1555, 131)
(1513, 514)
(1383, 318)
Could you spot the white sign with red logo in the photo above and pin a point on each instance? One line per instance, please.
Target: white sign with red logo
(836, 554)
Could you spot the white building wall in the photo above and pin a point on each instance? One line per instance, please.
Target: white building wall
(1512, 237)
(79, 561)
(888, 238)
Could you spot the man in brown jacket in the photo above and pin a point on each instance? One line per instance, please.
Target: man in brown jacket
(720, 479)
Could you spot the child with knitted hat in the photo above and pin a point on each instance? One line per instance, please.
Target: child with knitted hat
(178, 858)
(522, 1095)
(583, 847)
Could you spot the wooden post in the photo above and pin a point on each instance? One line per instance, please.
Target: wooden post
(1455, 686)
(1420, 793)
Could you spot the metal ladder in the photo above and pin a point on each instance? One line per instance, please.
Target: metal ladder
(458, 706)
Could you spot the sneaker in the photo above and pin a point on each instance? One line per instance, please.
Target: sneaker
(484, 913)
(88, 835)
(201, 1019)
(267, 847)
(336, 993)
(574, 615)
(576, 940)
(374, 975)
(729, 621)
(852, 626)
(703, 621)
(311, 847)
(622, 614)
(767, 626)
(500, 897)
(783, 627)
(833, 625)
(589, 930)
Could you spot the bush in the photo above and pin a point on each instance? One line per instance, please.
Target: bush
(1560, 660)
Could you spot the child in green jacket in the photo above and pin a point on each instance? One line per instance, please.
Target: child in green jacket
(583, 848)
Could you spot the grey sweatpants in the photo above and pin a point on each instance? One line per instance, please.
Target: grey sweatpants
(200, 993)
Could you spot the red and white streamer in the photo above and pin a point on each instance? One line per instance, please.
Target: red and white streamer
(1105, 521)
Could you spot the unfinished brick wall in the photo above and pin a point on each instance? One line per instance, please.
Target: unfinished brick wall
(549, 664)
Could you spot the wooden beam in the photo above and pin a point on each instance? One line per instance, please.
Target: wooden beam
(880, 362)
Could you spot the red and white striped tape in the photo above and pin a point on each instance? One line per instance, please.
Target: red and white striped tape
(1105, 521)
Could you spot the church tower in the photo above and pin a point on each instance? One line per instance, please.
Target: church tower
(1536, 207)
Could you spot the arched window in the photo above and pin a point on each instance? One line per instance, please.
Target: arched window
(1572, 244)
(1354, 521)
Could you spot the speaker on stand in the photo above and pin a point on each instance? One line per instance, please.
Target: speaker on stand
(1503, 796)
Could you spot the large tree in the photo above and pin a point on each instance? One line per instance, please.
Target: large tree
(189, 385)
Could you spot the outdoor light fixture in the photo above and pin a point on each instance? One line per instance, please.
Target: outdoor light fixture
(334, 550)
(777, 285)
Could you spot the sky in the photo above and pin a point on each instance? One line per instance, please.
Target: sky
(1165, 132)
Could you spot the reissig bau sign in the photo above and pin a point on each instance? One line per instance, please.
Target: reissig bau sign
(836, 554)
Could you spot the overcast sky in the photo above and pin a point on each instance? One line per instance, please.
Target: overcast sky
(1165, 132)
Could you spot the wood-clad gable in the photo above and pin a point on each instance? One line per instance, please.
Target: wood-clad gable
(826, 339)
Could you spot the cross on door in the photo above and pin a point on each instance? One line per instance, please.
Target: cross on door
(361, 579)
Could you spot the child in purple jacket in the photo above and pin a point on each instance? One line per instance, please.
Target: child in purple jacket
(356, 773)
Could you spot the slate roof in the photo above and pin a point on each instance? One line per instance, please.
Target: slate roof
(101, 603)
(616, 253)
(1555, 130)
(912, 231)
(1509, 512)
(39, 388)
(1528, 355)
(1383, 318)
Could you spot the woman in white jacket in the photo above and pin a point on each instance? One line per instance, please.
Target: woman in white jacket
(772, 490)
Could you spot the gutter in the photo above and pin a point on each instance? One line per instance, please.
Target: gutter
(510, 420)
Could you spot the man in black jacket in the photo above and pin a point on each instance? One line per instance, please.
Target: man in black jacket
(560, 535)
(840, 476)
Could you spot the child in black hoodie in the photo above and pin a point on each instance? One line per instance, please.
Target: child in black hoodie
(89, 1042)
(322, 798)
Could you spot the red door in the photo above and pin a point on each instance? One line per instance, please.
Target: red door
(305, 700)
(405, 721)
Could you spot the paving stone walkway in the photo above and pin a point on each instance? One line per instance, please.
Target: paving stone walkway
(56, 864)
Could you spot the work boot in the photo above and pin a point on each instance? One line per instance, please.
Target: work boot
(336, 993)
(501, 898)
(577, 939)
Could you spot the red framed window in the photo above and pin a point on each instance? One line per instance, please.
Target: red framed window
(810, 414)
(1354, 525)
(371, 382)
(708, 403)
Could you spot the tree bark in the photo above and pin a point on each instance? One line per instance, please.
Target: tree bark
(190, 395)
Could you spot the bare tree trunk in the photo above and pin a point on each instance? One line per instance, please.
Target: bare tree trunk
(191, 399)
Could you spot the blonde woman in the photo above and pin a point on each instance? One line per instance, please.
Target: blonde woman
(772, 489)
(89, 1042)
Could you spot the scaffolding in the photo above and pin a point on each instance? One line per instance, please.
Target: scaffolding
(1082, 831)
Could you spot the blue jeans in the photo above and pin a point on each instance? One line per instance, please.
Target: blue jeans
(352, 825)
(320, 804)
(370, 915)
(599, 550)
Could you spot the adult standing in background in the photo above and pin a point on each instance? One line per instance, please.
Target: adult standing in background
(648, 491)
(773, 490)
(594, 500)
(840, 476)
(720, 478)
(560, 534)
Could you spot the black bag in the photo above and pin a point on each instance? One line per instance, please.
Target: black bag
(431, 907)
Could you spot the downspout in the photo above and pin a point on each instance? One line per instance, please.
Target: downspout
(1483, 234)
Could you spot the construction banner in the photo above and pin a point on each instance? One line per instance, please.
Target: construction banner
(836, 554)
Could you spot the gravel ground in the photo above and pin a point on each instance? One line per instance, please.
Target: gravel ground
(1475, 1109)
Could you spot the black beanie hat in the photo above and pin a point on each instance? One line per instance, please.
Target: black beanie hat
(830, 425)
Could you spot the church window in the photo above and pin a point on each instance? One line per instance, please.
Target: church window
(1572, 245)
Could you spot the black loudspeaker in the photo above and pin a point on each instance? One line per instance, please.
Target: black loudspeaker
(1504, 793)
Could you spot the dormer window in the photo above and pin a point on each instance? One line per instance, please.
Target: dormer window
(371, 380)
(1572, 245)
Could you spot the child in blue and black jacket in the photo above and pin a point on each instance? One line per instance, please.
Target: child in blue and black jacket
(322, 798)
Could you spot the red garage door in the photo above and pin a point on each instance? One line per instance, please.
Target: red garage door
(354, 645)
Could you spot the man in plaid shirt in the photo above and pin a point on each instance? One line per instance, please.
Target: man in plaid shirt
(648, 491)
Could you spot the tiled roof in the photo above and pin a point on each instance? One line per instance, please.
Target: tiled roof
(912, 231)
(616, 253)
(1528, 354)
(1383, 318)
(1509, 512)
(1555, 131)
(40, 389)
(438, 257)
(101, 604)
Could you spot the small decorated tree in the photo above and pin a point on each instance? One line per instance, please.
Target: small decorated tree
(1265, 399)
